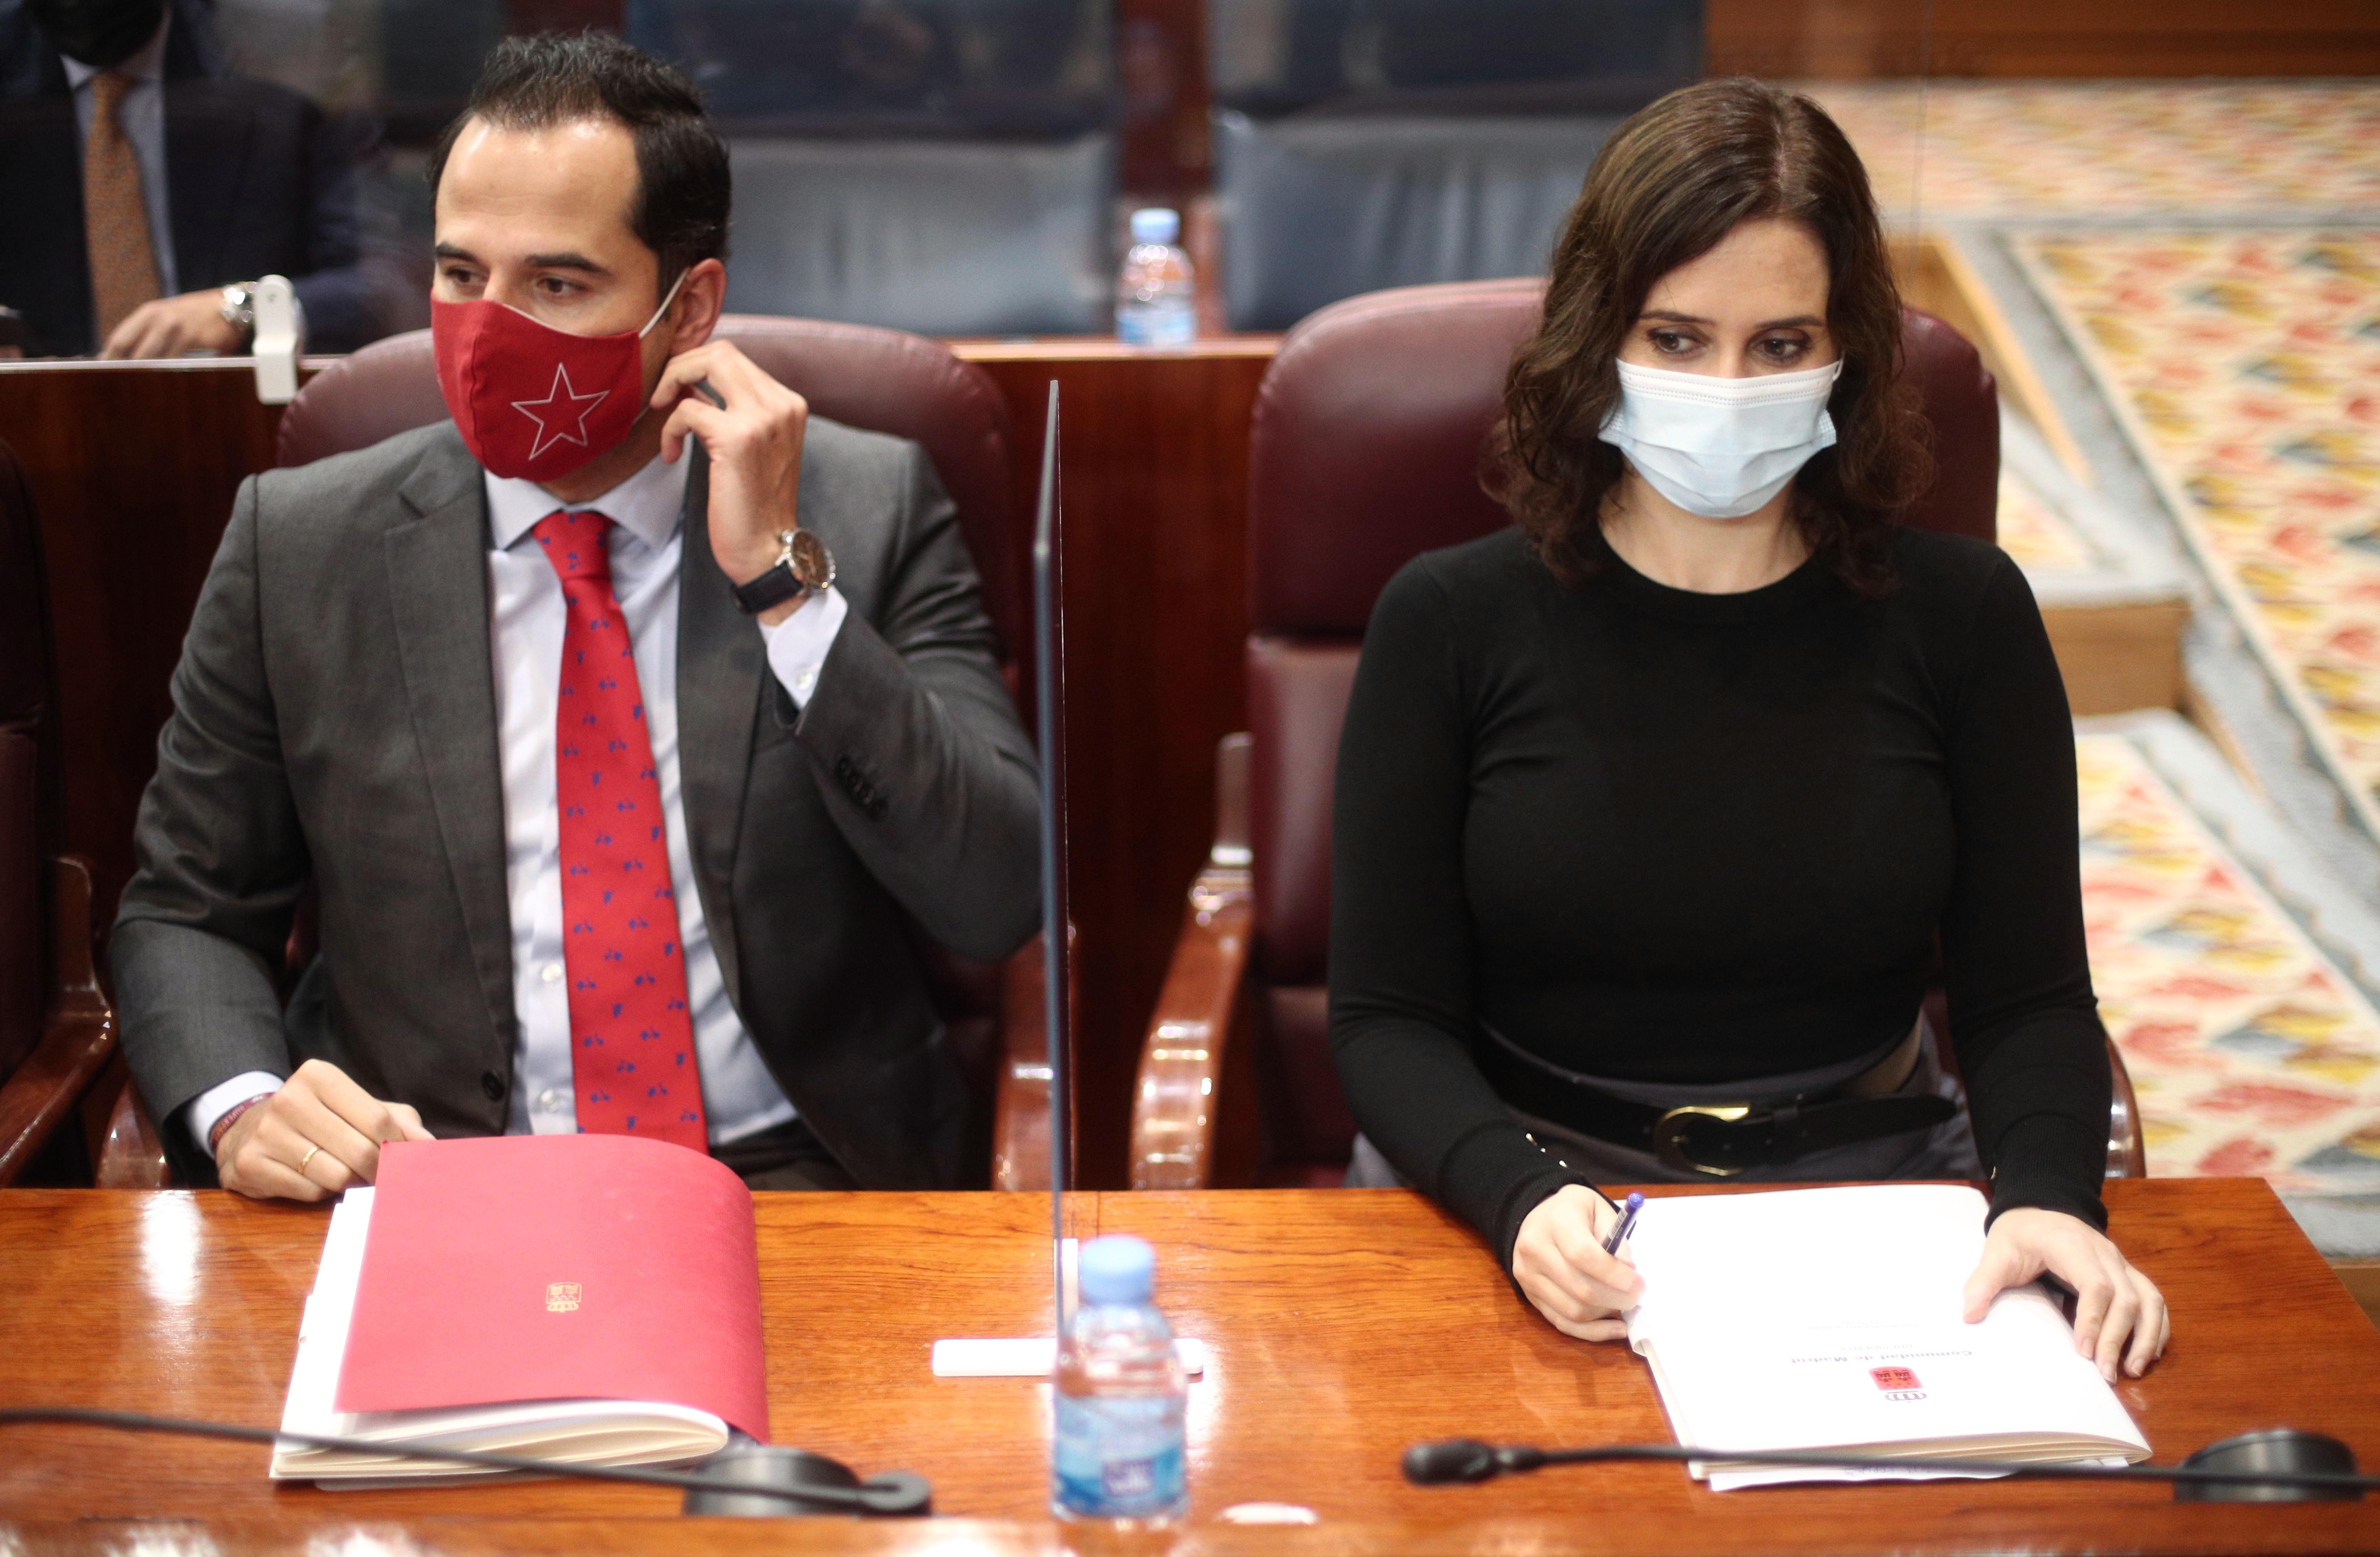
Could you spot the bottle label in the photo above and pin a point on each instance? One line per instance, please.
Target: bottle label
(1158, 324)
(1119, 1458)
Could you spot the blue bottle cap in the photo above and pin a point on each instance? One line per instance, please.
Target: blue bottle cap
(1116, 1270)
(1155, 223)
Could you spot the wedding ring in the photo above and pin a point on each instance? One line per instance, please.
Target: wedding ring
(307, 1158)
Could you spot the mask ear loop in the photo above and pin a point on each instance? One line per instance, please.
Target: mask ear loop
(668, 299)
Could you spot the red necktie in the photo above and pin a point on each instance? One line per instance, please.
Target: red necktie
(632, 1052)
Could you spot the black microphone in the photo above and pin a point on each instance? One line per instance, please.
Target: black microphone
(794, 1477)
(1466, 1459)
(2279, 1465)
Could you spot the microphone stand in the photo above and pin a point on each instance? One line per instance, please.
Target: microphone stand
(1465, 1460)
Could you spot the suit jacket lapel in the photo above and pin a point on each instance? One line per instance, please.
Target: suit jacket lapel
(438, 591)
(722, 664)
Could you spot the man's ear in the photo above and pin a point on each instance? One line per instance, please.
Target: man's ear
(701, 296)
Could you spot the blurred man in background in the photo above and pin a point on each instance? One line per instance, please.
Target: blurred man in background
(146, 190)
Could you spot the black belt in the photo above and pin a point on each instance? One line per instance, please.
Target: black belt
(1719, 1139)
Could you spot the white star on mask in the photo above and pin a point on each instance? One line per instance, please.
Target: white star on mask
(552, 428)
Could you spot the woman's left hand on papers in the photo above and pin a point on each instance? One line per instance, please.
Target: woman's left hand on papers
(2113, 1303)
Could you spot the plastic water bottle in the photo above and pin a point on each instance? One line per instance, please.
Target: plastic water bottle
(1157, 302)
(1117, 1452)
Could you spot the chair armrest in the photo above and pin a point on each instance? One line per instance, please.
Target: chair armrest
(1020, 1124)
(2128, 1154)
(1179, 1095)
(78, 1030)
(1020, 1127)
(125, 1153)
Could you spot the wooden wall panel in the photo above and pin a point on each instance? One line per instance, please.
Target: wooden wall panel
(1160, 53)
(1154, 451)
(133, 468)
(1161, 85)
(1853, 39)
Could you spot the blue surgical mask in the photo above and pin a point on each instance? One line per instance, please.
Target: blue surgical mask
(1721, 447)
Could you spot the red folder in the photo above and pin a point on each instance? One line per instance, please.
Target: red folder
(581, 1267)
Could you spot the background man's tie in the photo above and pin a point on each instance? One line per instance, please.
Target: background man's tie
(114, 217)
(632, 1052)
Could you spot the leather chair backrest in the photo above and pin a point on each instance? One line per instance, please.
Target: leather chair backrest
(885, 380)
(1364, 453)
(28, 752)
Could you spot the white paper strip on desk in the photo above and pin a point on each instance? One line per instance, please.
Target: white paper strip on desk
(1030, 1356)
(1831, 1320)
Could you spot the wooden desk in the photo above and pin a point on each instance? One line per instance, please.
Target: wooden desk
(1344, 1325)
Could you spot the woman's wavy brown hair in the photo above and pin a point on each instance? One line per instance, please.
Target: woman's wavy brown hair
(1667, 186)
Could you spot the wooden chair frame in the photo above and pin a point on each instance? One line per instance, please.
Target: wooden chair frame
(1193, 1118)
(76, 1067)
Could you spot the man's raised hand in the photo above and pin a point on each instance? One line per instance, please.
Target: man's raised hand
(755, 445)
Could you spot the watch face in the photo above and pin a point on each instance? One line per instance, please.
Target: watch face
(813, 565)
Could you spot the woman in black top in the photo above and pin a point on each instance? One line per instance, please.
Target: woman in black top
(1666, 795)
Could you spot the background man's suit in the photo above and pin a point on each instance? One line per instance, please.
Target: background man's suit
(335, 715)
(261, 182)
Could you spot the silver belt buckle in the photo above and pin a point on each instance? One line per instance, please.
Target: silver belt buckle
(1665, 1137)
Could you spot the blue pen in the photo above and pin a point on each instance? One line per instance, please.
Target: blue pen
(1635, 1203)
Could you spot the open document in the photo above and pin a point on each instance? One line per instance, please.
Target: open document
(601, 1307)
(1831, 1320)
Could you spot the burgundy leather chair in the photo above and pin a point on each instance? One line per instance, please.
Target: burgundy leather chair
(1365, 452)
(58, 1053)
(885, 380)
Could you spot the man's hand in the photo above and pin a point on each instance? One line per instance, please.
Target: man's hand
(1558, 1260)
(755, 455)
(2112, 1301)
(171, 326)
(318, 1135)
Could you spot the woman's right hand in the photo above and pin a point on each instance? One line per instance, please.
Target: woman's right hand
(1559, 1262)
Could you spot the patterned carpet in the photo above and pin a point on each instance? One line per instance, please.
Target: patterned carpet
(2211, 250)
(2033, 533)
(2245, 367)
(2253, 1051)
(2111, 148)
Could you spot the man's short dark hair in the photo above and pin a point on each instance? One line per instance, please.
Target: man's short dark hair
(553, 79)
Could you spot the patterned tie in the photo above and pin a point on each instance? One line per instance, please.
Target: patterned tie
(632, 1054)
(114, 217)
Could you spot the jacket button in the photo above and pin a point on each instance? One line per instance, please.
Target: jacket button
(492, 1084)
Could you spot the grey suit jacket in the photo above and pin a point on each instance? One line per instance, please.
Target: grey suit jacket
(334, 718)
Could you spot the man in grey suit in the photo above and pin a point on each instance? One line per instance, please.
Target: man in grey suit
(631, 728)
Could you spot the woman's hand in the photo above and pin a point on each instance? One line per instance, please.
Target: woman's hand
(1558, 1260)
(2112, 1301)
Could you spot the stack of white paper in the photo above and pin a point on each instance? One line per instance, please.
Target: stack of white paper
(1829, 1320)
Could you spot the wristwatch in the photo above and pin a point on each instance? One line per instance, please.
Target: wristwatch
(238, 310)
(803, 566)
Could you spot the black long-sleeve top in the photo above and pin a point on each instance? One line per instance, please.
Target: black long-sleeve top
(1652, 835)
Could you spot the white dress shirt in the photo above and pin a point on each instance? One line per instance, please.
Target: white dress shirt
(528, 617)
(143, 116)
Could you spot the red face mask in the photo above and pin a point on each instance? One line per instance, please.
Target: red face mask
(530, 400)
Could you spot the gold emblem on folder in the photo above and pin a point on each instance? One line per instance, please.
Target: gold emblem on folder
(562, 1297)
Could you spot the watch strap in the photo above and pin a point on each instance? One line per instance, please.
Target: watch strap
(768, 591)
(804, 565)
